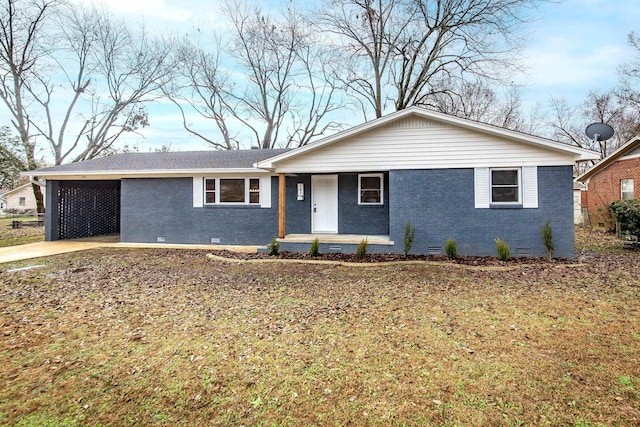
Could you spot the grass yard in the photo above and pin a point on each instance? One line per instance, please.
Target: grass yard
(124, 337)
(19, 236)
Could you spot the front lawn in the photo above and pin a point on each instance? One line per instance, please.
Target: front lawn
(123, 337)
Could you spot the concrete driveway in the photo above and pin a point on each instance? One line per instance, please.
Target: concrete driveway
(43, 249)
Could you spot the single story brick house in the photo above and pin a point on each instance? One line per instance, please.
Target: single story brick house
(450, 178)
(615, 177)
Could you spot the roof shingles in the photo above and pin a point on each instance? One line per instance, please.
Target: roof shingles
(180, 160)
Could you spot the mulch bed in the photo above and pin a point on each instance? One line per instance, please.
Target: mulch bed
(389, 257)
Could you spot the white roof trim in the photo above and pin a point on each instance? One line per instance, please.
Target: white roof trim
(580, 153)
(143, 174)
(17, 188)
(611, 158)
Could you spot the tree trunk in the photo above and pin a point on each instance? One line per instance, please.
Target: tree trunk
(37, 192)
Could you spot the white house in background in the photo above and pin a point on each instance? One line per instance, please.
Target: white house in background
(20, 199)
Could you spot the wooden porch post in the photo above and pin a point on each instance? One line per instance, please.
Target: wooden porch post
(281, 206)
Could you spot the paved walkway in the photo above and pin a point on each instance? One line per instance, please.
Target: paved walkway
(43, 249)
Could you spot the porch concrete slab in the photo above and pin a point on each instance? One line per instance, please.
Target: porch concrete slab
(44, 249)
(346, 239)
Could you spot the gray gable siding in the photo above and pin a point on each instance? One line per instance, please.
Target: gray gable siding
(153, 208)
(440, 205)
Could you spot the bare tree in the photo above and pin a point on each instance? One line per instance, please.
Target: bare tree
(629, 73)
(201, 84)
(23, 50)
(111, 72)
(568, 123)
(401, 50)
(74, 79)
(289, 89)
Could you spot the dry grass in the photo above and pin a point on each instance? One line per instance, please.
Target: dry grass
(172, 337)
(19, 236)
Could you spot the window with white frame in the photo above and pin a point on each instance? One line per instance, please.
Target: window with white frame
(627, 191)
(235, 191)
(370, 189)
(505, 186)
(22, 201)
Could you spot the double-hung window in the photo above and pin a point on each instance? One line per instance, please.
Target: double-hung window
(370, 189)
(626, 189)
(237, 191)
(505, 186)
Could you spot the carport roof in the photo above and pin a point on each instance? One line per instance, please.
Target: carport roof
(162, 163)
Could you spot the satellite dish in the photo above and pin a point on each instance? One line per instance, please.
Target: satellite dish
(599, 131)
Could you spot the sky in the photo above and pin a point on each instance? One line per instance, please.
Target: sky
(575, 46)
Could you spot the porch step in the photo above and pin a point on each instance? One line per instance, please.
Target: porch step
(346, 239)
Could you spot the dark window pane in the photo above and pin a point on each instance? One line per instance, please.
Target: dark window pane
(370, 196)
(254, 191)
(504, 194)
(231, 190)
(370, 182)
(210, 184)
(210, 197)
(506, 177)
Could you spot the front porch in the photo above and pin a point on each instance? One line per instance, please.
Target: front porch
(344, 239)
(336, 243)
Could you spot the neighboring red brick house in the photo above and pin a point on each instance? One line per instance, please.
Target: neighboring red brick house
(616, 177)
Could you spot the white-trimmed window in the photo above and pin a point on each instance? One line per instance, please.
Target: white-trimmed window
(235, 191)
(370, 189)
(627, 190)
(505, 186)
(22, 201)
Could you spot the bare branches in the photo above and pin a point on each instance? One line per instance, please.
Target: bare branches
(271, 78)
(401, 49)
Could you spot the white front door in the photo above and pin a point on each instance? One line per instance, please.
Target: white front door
(324, 204)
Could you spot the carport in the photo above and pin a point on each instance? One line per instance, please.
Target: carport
(77, 209)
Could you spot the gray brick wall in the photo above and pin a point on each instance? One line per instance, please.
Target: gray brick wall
(360, 219)
(153, 208)
(352, 218)
(440, 205)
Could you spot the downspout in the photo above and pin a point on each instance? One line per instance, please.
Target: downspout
(33, 180)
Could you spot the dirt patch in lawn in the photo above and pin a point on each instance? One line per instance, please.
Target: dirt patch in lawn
(123, 336)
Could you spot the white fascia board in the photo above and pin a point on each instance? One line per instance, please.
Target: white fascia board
(629, 145)
(159, 173)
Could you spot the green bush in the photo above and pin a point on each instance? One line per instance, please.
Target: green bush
(274, 247)
(451, 249)
(547, 238)
(503, 250)
(314, 250)
(409, 234)
(627, 214)
(361, 252)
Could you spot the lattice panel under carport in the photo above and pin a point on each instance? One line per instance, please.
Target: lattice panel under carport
(88, 208)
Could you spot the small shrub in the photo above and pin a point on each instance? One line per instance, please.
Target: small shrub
(361, 252)
(274, 247)
(547, 238)
(409, 234)
(451, 249)
(627, 214)
(503, 250)
(314, 250)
